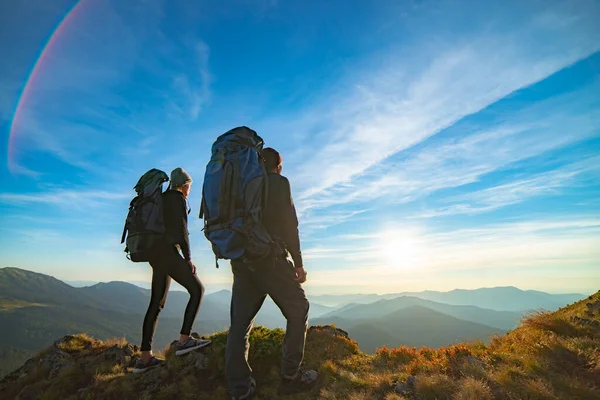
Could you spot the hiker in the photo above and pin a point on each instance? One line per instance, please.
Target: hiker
(167, 263)
(279, 278)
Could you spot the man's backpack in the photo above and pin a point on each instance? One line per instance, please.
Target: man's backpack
(144, 225)
(233, 197)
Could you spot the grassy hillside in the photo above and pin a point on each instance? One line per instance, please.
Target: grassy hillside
(550, 356)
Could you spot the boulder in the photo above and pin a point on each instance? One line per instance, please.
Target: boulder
(407, 387)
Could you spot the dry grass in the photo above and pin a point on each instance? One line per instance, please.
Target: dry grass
(435, 387)
(473, 389)
(11, 304)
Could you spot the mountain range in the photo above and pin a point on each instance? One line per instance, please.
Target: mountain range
(35, 308)
(507, 298)
(551, 355)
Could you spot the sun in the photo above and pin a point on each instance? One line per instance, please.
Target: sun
(400, 249)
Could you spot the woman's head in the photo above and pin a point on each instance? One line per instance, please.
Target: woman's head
(181, 180)
(273, 160)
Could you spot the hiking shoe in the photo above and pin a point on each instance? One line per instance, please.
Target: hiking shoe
(249, 394)
(303, 382)
(190, 345)
(143, 366)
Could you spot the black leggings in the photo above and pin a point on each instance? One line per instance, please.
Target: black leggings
(169, 264)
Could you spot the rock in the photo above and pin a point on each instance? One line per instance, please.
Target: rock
(408, 387)
(83, 391)
(151, 375)
(476, 361)
(55, 362)
(593, 307)
(23, 371)
(199, 360)
(584, 321)
(151, 380)
(329, 329)
(64, 339)
(120, 354)
(126, 361)
(29, 392)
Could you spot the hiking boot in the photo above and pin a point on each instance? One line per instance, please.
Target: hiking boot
(143, 366)
(190, 345)
(304, 381)
(249, 394)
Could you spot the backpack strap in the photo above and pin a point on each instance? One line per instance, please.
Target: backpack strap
(124, 232)
(201, 212)
(125, 225)
(234, 193)
(265, 190)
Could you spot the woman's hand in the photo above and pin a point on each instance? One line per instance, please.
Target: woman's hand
(192, 266)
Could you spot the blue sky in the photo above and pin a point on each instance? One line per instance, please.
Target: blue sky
(430, 144)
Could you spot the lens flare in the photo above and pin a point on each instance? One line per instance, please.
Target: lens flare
(31, 81)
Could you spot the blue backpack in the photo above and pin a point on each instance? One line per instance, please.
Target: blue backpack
(233, 197)
(144, 225)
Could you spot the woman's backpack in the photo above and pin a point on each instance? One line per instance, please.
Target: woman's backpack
(144, 225)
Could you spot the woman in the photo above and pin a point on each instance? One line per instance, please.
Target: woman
(168, 263)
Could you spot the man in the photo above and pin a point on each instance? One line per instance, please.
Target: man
(279, 278)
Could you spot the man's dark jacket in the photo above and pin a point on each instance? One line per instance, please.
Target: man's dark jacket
(279, 216)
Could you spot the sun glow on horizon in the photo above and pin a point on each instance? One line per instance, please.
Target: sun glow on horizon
(401, 249)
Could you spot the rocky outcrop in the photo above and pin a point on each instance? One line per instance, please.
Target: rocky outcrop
(68, 355)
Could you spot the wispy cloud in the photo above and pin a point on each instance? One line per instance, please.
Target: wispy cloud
(413, 97)
(530, 243)
(195, 86)
(472, 153)
(65, 198)
(495, 197)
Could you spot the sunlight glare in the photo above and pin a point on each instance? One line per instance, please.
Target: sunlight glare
(400, 249)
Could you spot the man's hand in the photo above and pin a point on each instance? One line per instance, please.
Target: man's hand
(192, 266)
(300, 274)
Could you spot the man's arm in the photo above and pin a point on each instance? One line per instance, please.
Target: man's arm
(290, 226)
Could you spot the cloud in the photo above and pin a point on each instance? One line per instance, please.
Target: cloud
(65, 198)
(495, 197)
(540, 243)
(394, 105)
(468, 153)
(315, 220)
(195, 86)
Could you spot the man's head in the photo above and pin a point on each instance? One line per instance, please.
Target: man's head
(272, 159)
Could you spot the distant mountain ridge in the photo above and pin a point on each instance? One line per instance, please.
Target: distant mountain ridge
(417, 326)
(411, 322)
(498, 319)
(502, 298)
(36, 307)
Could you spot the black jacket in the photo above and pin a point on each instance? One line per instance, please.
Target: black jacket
(175, 213)
(279, 216)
